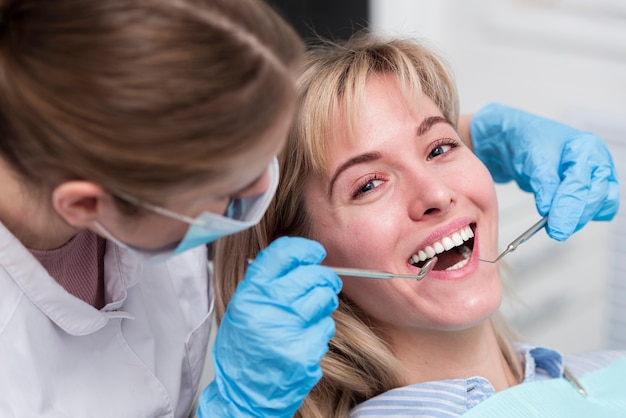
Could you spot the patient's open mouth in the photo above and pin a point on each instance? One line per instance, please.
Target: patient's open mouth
(453, 251)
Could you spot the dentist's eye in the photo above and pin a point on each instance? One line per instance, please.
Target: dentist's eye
(367, 186)
(441, 147)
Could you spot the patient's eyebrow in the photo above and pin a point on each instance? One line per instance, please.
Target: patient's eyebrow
(429, 122)
(359, 159)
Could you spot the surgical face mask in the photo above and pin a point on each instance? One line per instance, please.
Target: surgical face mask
(207, 227)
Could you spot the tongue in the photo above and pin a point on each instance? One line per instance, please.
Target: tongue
(448, 258)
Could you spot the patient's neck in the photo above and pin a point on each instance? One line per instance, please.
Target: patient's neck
(439, 355)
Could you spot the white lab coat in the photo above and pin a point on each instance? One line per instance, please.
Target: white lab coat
(141, 356)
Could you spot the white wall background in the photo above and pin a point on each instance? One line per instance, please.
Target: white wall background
(563, 59)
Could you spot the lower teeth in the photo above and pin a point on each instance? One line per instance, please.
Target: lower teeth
(466, 252)
(458, 265)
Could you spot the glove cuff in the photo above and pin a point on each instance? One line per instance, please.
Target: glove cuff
(212, 404)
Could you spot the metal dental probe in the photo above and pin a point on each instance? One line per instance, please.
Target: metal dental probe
(372, 274)
(521, 239)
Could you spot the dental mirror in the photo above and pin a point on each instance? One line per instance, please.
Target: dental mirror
(372, 274)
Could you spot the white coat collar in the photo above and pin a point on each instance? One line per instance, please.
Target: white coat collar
(71, 314)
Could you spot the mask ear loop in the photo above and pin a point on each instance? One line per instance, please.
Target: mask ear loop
(157, 209)
(108, 235)
(145, 255)
(129, 199)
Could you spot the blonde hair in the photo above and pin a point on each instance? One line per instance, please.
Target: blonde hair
(359, 364)
(140, 96)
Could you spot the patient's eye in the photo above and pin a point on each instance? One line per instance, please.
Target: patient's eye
(441, 147)
(367, 185)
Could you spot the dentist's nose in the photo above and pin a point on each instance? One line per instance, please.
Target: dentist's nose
(430, 196)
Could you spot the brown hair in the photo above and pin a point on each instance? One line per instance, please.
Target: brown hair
(139, 95)
(359, 364)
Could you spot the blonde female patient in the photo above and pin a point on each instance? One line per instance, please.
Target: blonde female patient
(375, 170)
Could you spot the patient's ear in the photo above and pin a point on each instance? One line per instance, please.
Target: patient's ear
(80, 203)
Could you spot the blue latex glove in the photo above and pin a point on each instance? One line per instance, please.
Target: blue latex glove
(274, 333)
(570, 172)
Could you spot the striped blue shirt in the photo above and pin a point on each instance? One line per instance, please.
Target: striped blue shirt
(454, 397)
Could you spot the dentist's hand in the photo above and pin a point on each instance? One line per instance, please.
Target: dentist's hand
(570, 172)
(274, 333)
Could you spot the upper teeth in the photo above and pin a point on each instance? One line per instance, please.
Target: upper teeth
(447, 243)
